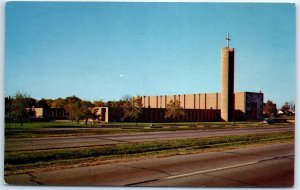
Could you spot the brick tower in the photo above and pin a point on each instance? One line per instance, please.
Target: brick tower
(227, 83)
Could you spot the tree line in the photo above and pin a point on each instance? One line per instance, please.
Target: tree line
(270, 108)
(17, 107)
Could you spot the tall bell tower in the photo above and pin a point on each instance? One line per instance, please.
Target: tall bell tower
(227, 83)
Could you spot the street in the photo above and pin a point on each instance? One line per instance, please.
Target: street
(22, 144)
(262, 166)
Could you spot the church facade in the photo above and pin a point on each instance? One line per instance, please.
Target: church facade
(224, 106)
(247, 105)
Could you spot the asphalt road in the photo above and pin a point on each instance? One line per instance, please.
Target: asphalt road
(264, 166)
(22, 144)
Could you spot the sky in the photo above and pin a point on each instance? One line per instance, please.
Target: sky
(108, 50)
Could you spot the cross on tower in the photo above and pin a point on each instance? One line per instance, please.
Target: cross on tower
(228, 39)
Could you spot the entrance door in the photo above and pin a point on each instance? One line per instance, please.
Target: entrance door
(103, 114)
(253, 111)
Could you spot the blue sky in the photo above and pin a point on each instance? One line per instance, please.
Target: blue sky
(108, 50)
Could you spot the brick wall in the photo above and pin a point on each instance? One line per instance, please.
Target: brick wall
(187, 101)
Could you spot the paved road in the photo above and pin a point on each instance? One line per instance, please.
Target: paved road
(265, 166)
(96, 140)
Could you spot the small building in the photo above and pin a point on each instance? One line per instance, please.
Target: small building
(101, 113)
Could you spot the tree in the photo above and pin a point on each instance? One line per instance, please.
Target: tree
(78, 109)
(32, 102)
(288, 107)
(49, 102)
(111, 104)
(8, 103)
(125, 102)
(99, 103)
(270, 108)
(292, 106)
(19, 103)
(132, 107)
(174, 110)
(58, 103)
(42, 103)
(73, 108)
(86, 110)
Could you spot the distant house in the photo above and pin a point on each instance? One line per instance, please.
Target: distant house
(285, 112)
(280, 112)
